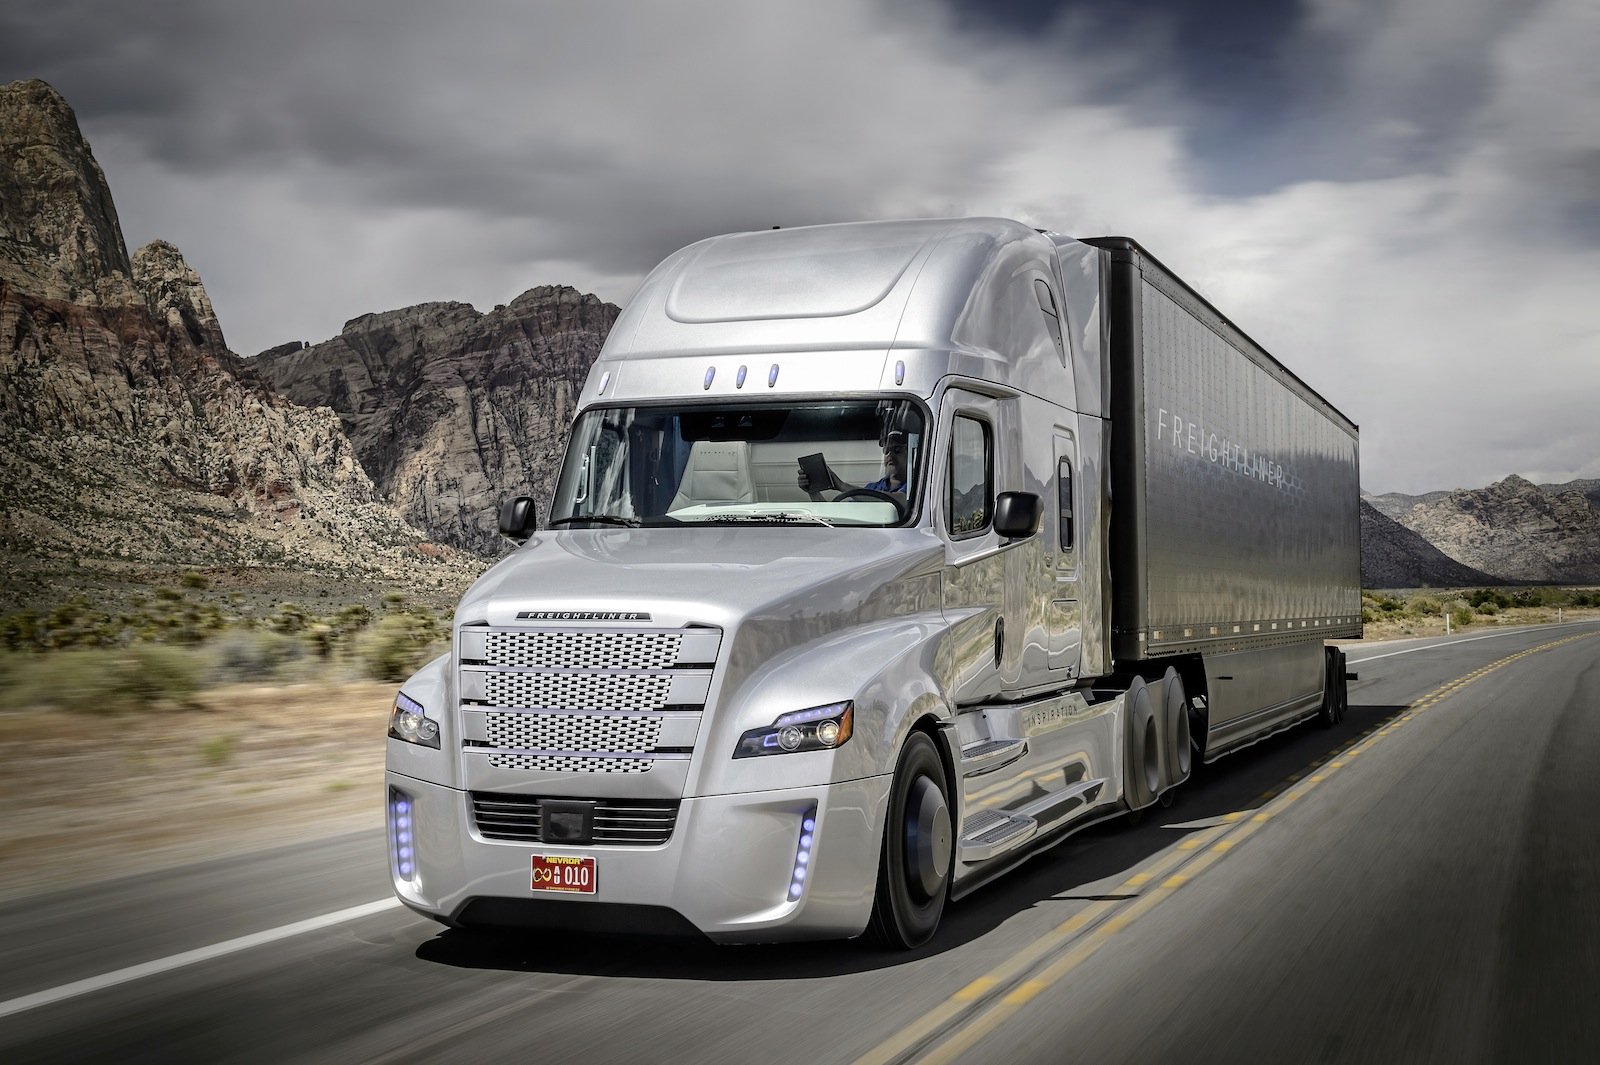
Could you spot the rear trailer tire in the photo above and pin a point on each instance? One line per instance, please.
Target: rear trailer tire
(918, 850)
(1175, 725)
(1332, 674)
(1142, 764)
(1344, 685)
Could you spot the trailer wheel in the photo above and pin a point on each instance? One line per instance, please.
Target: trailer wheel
(1344, 683)
(1333, 677)
(1175, 726)
(1142, 778)
(918, 850)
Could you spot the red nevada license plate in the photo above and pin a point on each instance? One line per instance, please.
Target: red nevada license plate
(559, 873)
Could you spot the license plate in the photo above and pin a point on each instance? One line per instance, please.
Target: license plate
(561, 873)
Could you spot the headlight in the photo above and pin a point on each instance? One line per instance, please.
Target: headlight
(410, 723)
(821, 728)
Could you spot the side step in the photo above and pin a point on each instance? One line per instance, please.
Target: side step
(988, 755)
(992, 833)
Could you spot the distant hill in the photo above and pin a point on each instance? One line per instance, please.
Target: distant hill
(1393, 556)
(451, 410)
(1518, 530)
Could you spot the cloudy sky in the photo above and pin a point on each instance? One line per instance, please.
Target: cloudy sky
(1399, 198)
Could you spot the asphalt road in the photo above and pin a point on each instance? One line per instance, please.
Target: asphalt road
(1419, 884)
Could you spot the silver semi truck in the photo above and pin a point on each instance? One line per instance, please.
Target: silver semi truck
(882, 556)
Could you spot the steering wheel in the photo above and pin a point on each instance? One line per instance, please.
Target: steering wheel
(873, 493)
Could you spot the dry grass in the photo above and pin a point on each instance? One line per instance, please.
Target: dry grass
(89, 797)
(1433, 625)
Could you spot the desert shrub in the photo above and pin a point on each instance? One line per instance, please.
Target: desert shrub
(290, 618)
(1487, 609)
(394, 647)
(1425, 606)
(20, 631)
(247, 655)
(194, 579)
(104, 680)
(1461, 617)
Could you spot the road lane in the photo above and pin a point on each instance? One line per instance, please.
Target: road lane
(399, 989)
(1431, 905)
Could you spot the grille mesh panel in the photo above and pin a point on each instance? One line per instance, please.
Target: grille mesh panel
(616, 821)
(583, 650)
(579, 691)
(569, 763)
(572, 732)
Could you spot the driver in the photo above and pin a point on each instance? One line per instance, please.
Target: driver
(894, 471)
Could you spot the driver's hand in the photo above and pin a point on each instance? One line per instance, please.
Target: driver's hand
(803, 482)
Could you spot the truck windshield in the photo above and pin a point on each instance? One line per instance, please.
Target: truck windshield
(855, 462)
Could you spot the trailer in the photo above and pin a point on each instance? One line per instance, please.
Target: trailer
(882, 556)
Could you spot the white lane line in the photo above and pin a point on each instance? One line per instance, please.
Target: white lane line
(191, 957)
(1452, 643)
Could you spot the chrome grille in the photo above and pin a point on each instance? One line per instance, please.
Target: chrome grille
(572, 732)
(569, 700)
(582, 650)
(579, 691)
(617, 822)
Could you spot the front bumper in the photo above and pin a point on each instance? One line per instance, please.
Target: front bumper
(726, 869)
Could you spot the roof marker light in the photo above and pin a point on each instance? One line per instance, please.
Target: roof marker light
(738, 381)
(772, 376)
(900, 372)
(711, 371)
(605, 379)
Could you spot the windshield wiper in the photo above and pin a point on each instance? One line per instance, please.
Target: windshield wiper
(598, 519)
(781, 517)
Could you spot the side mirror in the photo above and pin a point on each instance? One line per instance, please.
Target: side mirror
(517, 518)
(1017, 514)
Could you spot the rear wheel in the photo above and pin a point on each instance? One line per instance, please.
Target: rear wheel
(1142, 777)
(918, 848)
(1332, 679)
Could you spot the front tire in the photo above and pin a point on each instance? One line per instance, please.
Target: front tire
(918, 850)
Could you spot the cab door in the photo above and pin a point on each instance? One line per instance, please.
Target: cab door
(975, 589)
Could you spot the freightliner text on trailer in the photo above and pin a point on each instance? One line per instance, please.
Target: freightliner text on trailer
(882, 556)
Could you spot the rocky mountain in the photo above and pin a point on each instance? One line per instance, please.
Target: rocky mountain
(1516, 529)
(1394, 504)
(1393, 556)
(1590, 489)
(131, 438)
(451, 410)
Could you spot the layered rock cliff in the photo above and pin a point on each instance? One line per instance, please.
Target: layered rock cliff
(1393, 556)
(1516, 529)
(452, 410)
(128, 434)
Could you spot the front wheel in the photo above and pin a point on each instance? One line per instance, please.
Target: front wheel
(918, 847)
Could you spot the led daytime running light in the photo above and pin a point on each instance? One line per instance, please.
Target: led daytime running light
(402, 845)
(802, 856)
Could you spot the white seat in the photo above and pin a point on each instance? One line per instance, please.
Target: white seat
(718, 472)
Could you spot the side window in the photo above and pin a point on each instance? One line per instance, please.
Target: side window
(969, 500)
(1064, 502)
